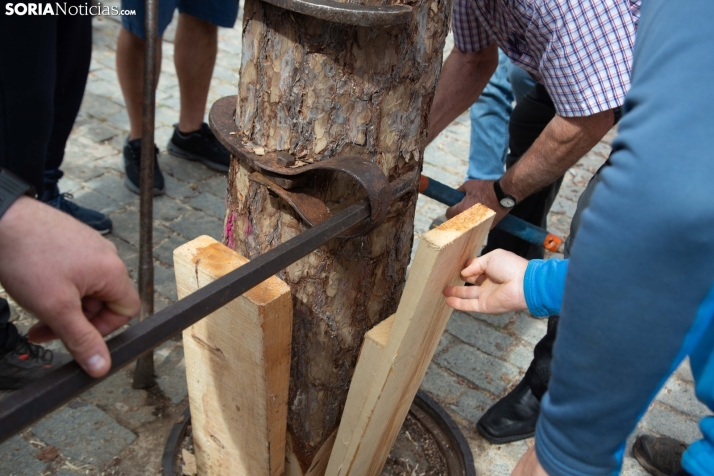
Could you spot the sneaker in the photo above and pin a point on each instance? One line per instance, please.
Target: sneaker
(132, 167)
(98, 221)
(659, 456)
(26, 363)
(201, 145)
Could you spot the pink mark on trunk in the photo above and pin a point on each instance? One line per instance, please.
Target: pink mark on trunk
(230, 239)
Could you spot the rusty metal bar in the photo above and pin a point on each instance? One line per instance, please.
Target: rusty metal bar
(144, 372)
(26, 406)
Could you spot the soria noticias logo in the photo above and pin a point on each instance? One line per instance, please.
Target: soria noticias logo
(61, 8)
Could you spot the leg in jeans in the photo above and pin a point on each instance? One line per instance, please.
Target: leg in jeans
(521, 81)
(490, 115)
(489, 125)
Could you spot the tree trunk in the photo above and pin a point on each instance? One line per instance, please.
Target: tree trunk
(318, 89)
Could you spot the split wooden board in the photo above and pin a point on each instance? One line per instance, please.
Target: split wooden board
(237, 367)
(396, 353)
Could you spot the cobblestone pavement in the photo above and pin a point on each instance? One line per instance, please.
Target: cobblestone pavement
(113, 429)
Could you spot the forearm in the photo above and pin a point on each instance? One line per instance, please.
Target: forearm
(462, 80)
(561, 144)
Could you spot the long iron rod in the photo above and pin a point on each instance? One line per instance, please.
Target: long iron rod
(26, 406)
(144, 372)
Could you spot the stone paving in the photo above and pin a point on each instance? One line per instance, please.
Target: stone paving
(116, 430)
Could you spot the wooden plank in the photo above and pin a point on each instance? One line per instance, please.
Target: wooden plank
(237, 367)
(370, 353)
(385, 384)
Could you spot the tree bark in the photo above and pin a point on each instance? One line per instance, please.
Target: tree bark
(318, 89)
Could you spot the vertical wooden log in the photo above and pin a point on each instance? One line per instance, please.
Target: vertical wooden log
(318, 89)
(237, 367)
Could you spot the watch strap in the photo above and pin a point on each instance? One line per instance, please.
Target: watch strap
(500, 194)
(11, 188)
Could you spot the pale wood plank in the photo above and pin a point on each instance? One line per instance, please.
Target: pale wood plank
(237, 366)
(385, 384)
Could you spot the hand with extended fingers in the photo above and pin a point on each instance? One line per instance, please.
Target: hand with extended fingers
(497, 279)
(78, 287)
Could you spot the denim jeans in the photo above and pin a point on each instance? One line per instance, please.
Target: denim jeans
(489, 119)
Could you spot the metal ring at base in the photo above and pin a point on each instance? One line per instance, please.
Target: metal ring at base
(178, 431)
(424, 409)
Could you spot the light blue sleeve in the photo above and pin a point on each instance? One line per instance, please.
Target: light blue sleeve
(543, 286)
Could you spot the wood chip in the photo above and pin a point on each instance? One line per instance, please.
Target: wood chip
(259, 150)
(189, 463)
(298, 163)
(48, 454)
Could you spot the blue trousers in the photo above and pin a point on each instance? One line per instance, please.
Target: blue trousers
(489, 119)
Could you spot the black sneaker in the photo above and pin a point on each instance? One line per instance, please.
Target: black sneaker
(26, 363)
(93, 218)
(201, 145)
(132, 167)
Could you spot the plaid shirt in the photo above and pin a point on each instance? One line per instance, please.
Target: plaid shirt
(580, 50)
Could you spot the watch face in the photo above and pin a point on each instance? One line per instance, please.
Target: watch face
(508, 202)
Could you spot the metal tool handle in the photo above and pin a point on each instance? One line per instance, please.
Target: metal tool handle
(510, 224)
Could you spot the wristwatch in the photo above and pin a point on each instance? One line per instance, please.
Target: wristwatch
(506, 201)
(12, 187)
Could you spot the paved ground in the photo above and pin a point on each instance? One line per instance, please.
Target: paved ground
(113, 429)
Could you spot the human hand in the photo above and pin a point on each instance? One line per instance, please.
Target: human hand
(529, 465)
(478, 191)
(498, 284)
(68, 276)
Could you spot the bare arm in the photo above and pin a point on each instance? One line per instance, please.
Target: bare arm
(463, 78)
(561, 144)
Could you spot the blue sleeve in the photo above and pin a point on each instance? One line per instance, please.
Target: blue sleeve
(543, 286)
(639, 285)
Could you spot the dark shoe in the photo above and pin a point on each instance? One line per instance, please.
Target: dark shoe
(26, 363)
(659, 456)
(512, 418)
(93, 218)
(132, 167)
(201, 145)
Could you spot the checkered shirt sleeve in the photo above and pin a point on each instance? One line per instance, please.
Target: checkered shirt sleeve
(586, 64)
(470, 33)
(580, 50)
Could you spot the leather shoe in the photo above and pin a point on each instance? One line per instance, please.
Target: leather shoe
(659, 456)
(512, 418)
